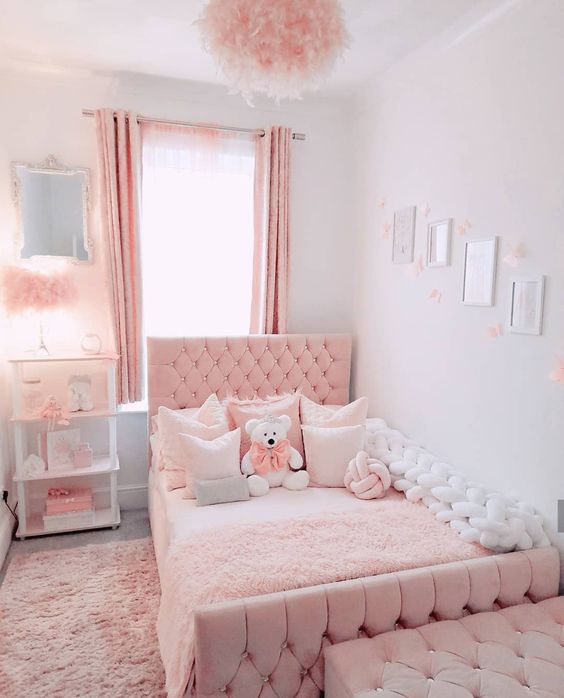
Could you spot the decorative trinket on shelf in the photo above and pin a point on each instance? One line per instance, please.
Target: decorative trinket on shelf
(61, 446)
(80, 394)
(82, 456)
(32, 396)
(91, 343)
(33, 466)
(53, 413)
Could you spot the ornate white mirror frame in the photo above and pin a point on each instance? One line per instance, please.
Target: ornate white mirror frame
(51, 164)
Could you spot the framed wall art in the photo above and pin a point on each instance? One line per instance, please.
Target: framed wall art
(526, 304)
(438, 243)
(404, 235)
(478, 286)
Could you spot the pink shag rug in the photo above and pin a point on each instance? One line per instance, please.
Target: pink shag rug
(81, 622)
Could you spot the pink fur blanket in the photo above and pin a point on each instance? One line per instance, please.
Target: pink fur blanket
(247, 560)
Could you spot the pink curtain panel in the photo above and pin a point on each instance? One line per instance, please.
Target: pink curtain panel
(119, 168)
(270, 267)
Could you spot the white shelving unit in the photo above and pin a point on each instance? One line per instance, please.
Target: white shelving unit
(101, 476)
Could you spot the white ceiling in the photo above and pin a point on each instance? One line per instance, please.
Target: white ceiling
(158, 37)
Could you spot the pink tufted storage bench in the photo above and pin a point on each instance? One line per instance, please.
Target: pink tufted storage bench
(513, 652)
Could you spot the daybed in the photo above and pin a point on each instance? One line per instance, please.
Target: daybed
(267, 640)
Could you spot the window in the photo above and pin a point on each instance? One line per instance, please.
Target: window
(197, 233)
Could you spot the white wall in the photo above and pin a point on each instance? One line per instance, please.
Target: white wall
(473, 126)
(41, 114)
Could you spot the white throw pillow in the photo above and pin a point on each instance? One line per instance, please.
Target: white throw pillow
(210, 413)
(171, 458)
(209, 460)
(351, 415)
(328, 452)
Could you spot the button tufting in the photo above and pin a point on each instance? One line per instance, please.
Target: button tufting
(284, 645)
(224, 689)
(172, 395)
(245, 655)
(431, 651)
(266, 679)
(303, 672)
(183, 348)
(193, 394)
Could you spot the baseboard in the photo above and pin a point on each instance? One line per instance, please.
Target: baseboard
(132, 496)
(7, 524)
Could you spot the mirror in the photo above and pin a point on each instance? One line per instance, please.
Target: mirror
(52, 210)
(438, 243)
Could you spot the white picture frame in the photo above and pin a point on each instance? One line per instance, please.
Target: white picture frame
(526, 300)
(480, 266)
(439, 234)
(404, 235)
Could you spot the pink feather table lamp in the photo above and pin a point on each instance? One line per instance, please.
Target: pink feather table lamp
(27, 291)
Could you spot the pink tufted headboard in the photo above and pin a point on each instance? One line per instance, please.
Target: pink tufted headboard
(184, 371)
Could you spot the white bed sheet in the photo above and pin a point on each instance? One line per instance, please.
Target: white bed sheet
(183, 516)
(174, 518)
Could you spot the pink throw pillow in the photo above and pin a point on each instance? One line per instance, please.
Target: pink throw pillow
(351, 415)
(240, 411)
(209, 460)
(328, 451)
(171, 457)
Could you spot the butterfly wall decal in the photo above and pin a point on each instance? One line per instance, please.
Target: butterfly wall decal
(494, 331)
(558, 374)
(386, 230)
(463, 228)
(416, 267)
(516, 253)
(436, 295)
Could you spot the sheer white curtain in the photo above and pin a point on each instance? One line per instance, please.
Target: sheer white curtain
(197, 232)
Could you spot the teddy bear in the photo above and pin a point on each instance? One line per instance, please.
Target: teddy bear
(272, 461)
(80, 394)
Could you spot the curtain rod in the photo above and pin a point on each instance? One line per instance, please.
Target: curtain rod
(170, 122)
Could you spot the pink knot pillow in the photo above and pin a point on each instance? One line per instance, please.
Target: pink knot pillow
(366, 477)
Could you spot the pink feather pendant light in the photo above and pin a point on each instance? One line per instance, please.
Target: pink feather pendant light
(277, 47)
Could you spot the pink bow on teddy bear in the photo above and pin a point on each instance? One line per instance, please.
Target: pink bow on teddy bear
(366, 477)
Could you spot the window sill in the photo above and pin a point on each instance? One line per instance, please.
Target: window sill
(141, 407)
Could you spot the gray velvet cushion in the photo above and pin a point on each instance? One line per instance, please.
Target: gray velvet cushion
(225, 489)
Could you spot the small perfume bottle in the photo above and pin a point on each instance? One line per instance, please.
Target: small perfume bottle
(83, 455)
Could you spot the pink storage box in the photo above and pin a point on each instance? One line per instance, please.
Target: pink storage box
(64, 507)
(60, 501)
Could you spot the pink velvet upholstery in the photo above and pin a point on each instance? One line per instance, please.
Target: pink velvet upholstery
(511, 653)
(184, 371)
(272, 646)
